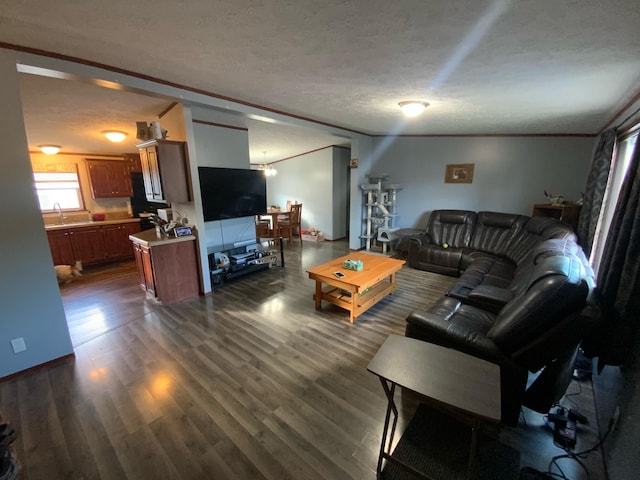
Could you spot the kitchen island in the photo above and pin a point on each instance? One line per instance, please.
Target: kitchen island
(167, 265)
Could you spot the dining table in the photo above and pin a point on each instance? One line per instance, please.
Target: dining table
(273, 214)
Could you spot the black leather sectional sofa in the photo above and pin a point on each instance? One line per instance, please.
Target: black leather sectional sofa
(523, 299)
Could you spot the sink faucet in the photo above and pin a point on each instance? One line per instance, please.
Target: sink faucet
(58, 208)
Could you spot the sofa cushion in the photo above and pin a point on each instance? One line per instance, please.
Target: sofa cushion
(439, 259)
(451, 323)
(535, 230)
(494, 231)
(451, 227)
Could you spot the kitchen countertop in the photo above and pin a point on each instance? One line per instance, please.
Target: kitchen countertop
(90, 223)
(149, 238)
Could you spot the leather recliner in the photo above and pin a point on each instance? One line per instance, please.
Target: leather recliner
(440, 248)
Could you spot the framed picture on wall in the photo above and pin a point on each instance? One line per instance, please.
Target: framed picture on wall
(459, 173)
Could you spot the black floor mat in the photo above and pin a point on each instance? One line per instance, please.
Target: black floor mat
(438, 445)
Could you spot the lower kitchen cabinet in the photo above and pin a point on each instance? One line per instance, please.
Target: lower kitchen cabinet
(92, 244)
(116, 239)
(88, 245)
(145, 269)
(61, 248)
(167, 268)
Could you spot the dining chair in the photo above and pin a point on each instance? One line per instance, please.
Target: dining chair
(291, 224)
(263, 227)
(285, 218)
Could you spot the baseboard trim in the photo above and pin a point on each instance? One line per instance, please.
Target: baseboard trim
(38, 367)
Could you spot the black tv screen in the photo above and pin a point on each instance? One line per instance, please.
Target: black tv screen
(232, 192)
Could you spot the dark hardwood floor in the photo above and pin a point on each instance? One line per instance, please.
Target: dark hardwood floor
(250, 382)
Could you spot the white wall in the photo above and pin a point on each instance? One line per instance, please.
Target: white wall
(309, 179)
(218, 146)
(511, 173)
(30, 302)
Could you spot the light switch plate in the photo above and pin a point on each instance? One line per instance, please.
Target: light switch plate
(18, 345)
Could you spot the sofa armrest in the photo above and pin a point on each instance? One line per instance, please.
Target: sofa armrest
(415, 244)
(434, 328)
(419, 240)
(491, 295)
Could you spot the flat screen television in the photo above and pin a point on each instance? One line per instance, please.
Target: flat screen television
(232, 192)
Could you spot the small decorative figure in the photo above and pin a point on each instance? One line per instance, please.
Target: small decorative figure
(554, 199)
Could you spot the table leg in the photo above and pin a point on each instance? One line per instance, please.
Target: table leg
(354, 306)
(318, 296)
(475, 427)
(281, 251)
(391, 406)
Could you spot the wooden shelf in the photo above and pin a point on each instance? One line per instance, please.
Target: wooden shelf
(567, 212)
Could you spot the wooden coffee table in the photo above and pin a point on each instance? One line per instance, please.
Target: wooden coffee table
(355, 291)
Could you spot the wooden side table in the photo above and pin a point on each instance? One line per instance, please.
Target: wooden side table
(565, 212)
(446, 376)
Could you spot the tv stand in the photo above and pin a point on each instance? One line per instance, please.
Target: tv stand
(236, 271)
(244, 260)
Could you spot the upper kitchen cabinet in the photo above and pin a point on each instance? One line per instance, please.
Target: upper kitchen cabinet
(164, 170)
(133, 160)
(109, 178)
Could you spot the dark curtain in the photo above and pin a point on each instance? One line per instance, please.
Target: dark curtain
(594, 193)
(615, 341)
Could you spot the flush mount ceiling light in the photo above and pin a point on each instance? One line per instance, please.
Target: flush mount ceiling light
(114, 135)
(49, 149)
(413, 108)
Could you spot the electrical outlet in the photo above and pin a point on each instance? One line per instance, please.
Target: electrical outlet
(18, 345)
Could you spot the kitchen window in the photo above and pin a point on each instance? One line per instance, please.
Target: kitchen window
(62, 188)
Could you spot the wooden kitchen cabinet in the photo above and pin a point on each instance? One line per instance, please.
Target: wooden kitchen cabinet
(88, 245)
(167, 268)
(61, 249)
(110, 178)
(145, 269)
(165, 171)
(116, 240)
(133, 162)
(76, 244)
(92, 244)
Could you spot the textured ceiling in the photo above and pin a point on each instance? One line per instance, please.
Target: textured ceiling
(485, 66)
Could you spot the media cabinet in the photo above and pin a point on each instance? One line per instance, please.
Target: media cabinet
(244, 260)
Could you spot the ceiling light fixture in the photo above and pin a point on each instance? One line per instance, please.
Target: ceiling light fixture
(413, 108)
(49, 149)
(269, 171)
(114, 135)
